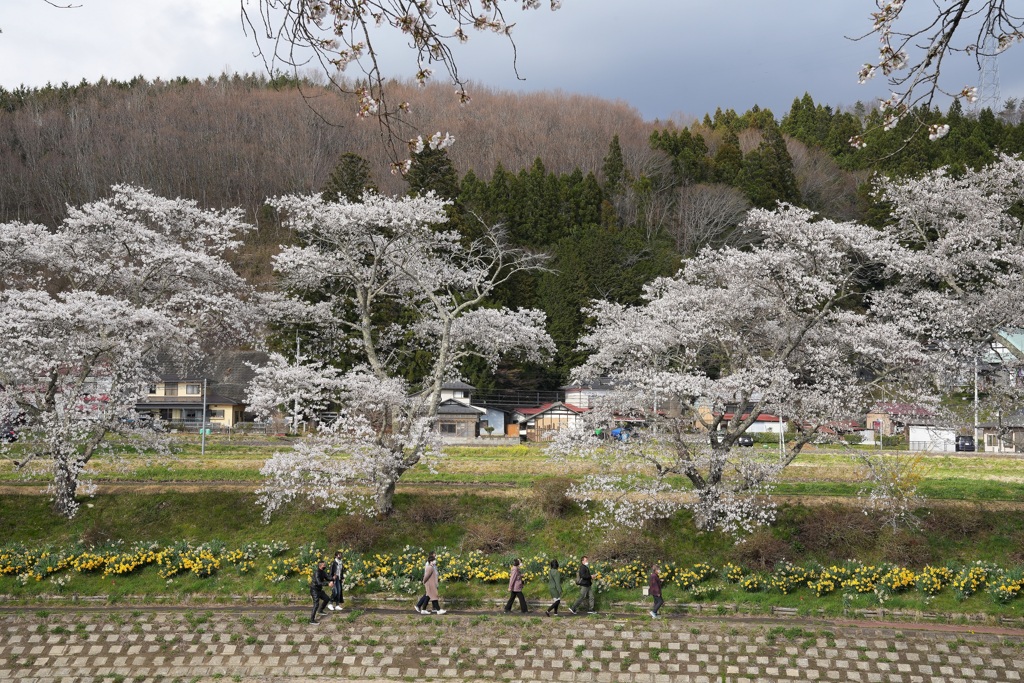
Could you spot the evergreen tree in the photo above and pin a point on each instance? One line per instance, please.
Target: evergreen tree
(432, 169)
(614, 167)
(767, 176)
(728, 159)
(349, 179)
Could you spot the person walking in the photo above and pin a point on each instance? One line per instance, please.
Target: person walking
(337, 574)
(515, 587)
(430, 579)
(317, 581)
(585, 581)
(654, 589)
(554, 587)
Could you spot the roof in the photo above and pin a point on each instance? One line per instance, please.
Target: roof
(761, 417)
(595, 384)
(537, 410)
(896, 408)
(453, 407)
(228, 373)
(457, 385)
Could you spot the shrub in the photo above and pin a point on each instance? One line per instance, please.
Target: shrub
(956, 521)
(836, 531)
(431, 510)
(550, 496)
(761, 549)
(358, 532)
(904, 548)
(623, 545)
(492, 537)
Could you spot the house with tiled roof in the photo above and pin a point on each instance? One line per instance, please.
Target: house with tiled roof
(219, 382)
(537, 422)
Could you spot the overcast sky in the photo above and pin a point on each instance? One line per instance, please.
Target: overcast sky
(664, 57)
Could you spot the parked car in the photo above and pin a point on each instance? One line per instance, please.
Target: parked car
(745, 440)
(964, 443)
(9, 423)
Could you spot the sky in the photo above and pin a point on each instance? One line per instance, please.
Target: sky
(667, 58)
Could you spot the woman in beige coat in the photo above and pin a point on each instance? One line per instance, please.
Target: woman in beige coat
(430, 578)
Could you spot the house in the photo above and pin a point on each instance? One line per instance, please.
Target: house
(764, 423)
(891, 418)
(459, 420)
(1006, 435)
(587, 393)
(500, 421)
(931, 438)
(536, 422)
(177, 397)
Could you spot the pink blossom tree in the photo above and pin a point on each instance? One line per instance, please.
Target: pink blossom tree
(378, 281)
(785, 328)
(90, 308)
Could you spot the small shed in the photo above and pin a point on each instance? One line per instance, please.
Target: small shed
(456, 419)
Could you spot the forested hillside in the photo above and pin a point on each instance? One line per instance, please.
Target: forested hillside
(615, 200)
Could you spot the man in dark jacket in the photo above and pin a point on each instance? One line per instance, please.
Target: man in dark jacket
(585, 581)
(317, 581)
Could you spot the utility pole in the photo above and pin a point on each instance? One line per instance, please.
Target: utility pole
(295, 415)
(977, 444)
(202, 427)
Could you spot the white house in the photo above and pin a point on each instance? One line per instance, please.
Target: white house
(931, 438)
(587, 393)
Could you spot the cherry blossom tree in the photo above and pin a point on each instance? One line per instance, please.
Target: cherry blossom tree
(913, 49)
(334, 36)
(378, 282)
(91, 307)
(960, 265)
(784, 328)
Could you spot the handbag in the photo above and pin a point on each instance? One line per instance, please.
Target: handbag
(647, 591)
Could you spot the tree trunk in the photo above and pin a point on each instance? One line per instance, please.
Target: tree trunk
(384, 498)
(65, 487)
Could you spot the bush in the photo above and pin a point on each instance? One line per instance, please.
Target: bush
(550, 496)
(835, 530)
(904, 548)
(358, 532)
(492, 537)
(623, 545)
(958, 522)
(761, 549)
(431, 510)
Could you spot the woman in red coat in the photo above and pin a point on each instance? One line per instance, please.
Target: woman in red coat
(654, 588)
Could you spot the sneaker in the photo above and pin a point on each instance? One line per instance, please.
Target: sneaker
(312, 621)
(572, 610)
(417, 609)
(338, 608)
(330, 607)
(653, 614)
(425, 612)
(441, 611)
(591, 612)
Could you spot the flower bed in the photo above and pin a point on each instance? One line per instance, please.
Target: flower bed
(402, 571)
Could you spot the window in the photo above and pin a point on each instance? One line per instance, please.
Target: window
(447, 427)
(171, 389)
(991, 441)
(191, 415)
(193, 389)
(459, 393)
(216, 414)
(152, 389)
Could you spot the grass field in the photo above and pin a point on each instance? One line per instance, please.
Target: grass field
(813, 474)
(494, 498)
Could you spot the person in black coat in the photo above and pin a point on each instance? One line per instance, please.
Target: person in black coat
(317, 581)
(337, 574)
(585, 581)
